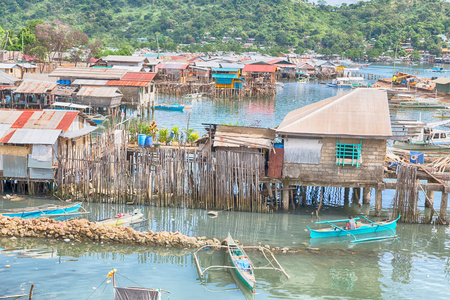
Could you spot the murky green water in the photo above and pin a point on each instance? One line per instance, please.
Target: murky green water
(414, 266)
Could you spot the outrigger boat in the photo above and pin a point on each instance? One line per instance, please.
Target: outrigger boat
(175, 107)
(372, 227)
(123, 293)
(122, 219)
(241, 266)
(44, 211)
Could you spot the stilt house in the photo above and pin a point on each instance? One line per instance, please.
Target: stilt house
(338, 142)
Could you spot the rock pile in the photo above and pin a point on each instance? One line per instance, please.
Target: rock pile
(83, 231)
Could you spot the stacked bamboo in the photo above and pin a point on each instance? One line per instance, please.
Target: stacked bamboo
(406, 195)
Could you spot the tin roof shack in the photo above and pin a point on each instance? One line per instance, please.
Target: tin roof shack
(227, 78)
(7, 86)
(12, 69)
(338, 142)
(33, 94)
(442, 85)
(260, 79)
(245, 142)
(286, 69)
(119, 60)
(31, 139)
(137, 88)
(99, 97)
(170, 72)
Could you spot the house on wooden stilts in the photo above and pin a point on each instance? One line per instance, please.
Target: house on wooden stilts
(337, 142)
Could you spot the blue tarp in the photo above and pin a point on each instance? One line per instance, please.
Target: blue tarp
(243, 263)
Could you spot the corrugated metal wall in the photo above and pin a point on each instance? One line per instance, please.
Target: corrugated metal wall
(302, 151)
(15, 166)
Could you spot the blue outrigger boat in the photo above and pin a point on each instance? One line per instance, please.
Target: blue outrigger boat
(175, 107)
(43, 211)
(372, 227)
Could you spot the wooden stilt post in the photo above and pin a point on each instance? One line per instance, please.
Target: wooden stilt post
(346, 196)
(285, 196)
(366, 195)
(378, 201)
(443, 209)
(356, 195)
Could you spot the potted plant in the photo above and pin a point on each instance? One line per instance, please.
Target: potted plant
(191, 136)
(174, 134)
(164, 135)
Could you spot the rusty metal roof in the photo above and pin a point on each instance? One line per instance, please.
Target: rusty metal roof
(7, 79)
(37, 118)
(140, 76)
(64, 90)
(363, 112)
(35, 87)
(99, 91)
(172, 66)
(127, 83)
(34, 126)
(89, 73)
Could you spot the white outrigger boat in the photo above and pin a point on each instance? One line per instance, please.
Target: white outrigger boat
(123, 219)
(347, 82)
(241, 266)
(424, 137)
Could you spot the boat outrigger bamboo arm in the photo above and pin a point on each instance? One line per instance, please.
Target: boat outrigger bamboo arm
(280, 268)
(335, 221)
(197, 263)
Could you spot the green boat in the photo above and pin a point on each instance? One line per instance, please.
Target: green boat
(243, 266)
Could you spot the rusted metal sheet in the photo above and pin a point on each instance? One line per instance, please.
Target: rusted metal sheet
(22, 119)
(67, 120)
(139, 76)
(35, 87)
(275, 163)
(172, 66)
(127, 83)
(98, 91)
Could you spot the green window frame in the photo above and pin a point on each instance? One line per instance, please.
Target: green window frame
(348, 154)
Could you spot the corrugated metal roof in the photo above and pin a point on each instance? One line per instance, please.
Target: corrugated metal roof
(98, 91)
(233, 66)
(8, 66)
(224, 76)
(129, 68)
(172, 66)
(207, 64)
(442, 80)
(38, 119)
(120, 58)
(141, 76)
(32, 136)
(91, 82)
(80, 132)
(4, 128)
(361, 113)
(260, 68)
(7, 79)
(127, 83)
(89, 73)
(64, 90)
(35, 87)
(7, 87)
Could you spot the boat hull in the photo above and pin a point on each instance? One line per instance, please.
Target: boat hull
(243, 278)
(170, 107)
(118, 221)
(335, 232)
(422, 147)
(45, 211)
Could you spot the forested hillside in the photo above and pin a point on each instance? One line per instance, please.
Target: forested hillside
(275, 24)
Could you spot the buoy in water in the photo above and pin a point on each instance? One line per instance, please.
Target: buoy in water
(213, 213)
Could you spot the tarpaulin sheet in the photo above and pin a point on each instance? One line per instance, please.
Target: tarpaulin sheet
(127, 293)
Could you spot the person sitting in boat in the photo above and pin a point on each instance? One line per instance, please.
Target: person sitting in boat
(351, 224)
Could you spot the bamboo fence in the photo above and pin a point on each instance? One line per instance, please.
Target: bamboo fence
(181, 177)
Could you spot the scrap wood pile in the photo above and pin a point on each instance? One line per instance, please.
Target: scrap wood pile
(440, 163)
